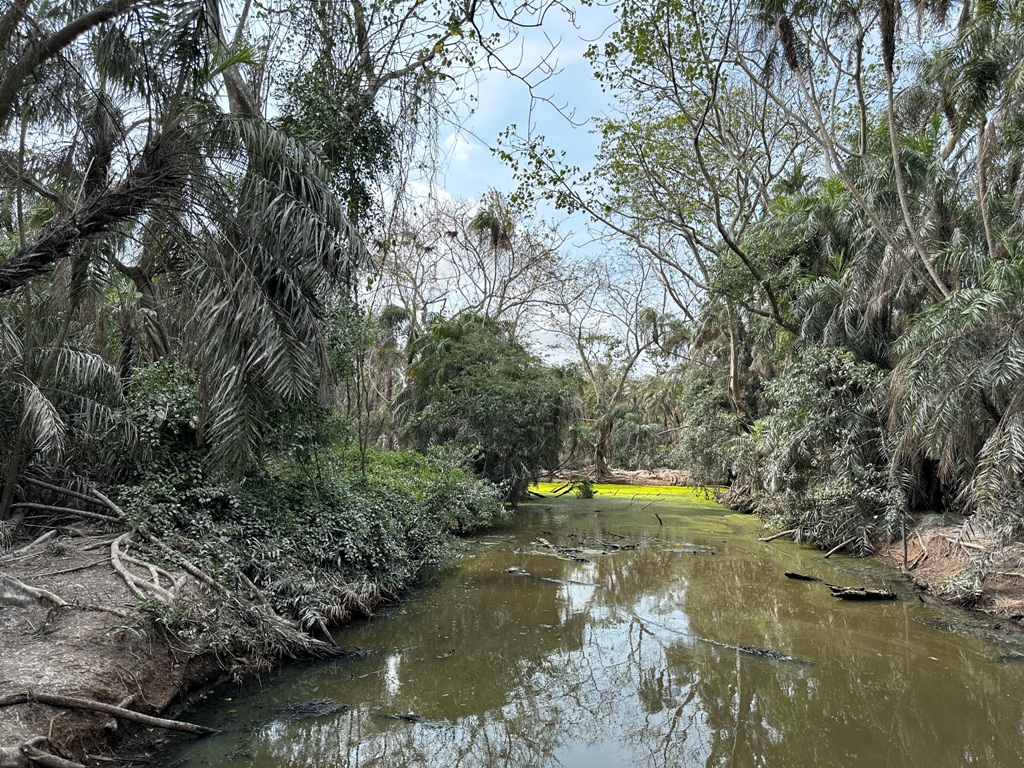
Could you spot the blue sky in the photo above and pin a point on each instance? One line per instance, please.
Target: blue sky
(471, 168)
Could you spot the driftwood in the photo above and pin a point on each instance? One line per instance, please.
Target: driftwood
(73, 702)
(779, 535)
(862, 593)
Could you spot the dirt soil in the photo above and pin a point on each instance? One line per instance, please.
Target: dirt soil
(100, 647)
(963, 567)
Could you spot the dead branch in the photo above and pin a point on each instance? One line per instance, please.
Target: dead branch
(108, 503)
(921, 556)
(779, 535)
(73, 702)
(58, 489)
(65, 511)
(838, 547)
(61, 572)
(104, 542)
(964, 544)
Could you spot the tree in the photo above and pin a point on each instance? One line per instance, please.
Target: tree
(472, 384)
(126, 166)
(483, 257)
(604, 315)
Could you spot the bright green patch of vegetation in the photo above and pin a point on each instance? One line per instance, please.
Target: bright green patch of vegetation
(603, 490)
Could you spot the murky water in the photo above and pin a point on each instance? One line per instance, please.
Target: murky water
(645, 655)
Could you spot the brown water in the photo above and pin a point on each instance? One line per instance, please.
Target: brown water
(639, 657)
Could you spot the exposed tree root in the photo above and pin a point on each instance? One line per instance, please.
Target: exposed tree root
(13, 589)
(73, 702)
(141, 588)
(28, 547)
(46, 759)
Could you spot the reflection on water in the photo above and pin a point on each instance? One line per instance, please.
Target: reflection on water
(637, 657)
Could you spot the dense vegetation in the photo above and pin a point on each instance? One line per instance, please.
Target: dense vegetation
(832, 191)
(218, 305)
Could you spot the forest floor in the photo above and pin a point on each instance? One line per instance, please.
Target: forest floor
(99, 647)
(105, 645)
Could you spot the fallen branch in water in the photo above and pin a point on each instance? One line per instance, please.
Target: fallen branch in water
(838, 547)
(862, 593)
(779, 535)
(73, 702)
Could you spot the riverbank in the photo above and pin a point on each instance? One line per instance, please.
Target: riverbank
(960, 566)
(82, 633)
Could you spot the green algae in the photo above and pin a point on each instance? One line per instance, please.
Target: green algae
(697, 494)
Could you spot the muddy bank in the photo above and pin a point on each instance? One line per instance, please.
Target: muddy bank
(961, 566)
(71, 627)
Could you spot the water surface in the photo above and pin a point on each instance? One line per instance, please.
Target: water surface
(671, 639)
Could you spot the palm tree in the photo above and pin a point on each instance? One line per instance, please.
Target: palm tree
(228, 229)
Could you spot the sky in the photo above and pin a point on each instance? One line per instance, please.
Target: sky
(470, 167)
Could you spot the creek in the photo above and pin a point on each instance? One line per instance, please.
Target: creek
(669, 638)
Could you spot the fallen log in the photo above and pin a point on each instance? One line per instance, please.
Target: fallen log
(779, 535)
(862, 593)
(73, 702)
(838, 547)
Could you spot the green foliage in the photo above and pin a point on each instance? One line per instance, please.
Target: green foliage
(322, 548)
(818, 458)
(325, 109)
(473, 385)
(162, 402)
(709, 431)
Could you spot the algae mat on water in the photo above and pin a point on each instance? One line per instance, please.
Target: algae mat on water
(697, 494)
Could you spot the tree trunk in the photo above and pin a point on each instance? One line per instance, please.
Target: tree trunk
(604, 434)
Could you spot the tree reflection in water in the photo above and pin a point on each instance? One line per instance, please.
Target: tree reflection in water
(623, 661)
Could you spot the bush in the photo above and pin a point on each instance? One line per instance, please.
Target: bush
(321, 549)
